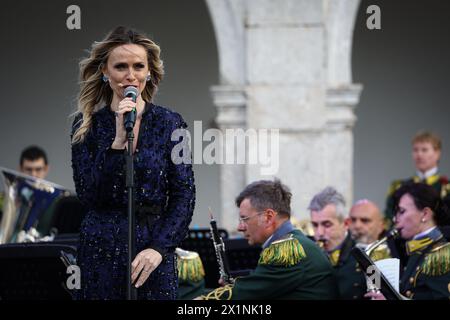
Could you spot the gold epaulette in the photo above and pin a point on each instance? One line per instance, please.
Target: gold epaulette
(394, 186)
(437, 262)
(380, 253)
(190, 266)
(285, 252)
(221, 293)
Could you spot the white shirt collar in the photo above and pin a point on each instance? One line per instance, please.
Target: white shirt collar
(428, 173)
(424, 233)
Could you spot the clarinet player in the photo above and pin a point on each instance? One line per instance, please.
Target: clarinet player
(290, 266)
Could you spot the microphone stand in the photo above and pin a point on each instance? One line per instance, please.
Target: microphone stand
(131, 290)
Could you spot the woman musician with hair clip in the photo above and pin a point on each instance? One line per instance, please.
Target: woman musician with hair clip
(418, 215)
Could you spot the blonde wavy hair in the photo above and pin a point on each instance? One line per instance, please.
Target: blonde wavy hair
(94, 91)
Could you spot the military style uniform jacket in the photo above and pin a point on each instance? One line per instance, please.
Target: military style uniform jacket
(351, 279)
(437, 181)
(427, 274)
(291, 266)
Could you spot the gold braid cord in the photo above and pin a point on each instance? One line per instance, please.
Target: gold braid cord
(220, 293)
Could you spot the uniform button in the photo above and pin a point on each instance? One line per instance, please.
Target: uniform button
(355, 297)
(408, 293)
(411, 280)
(356, 284)
(358, 270)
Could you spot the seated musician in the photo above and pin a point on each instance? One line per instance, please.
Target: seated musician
(331, 225)
(426, 154)
(419, 214)
(290, 266)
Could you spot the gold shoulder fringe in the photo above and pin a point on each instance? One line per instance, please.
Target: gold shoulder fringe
(437, 262)
(190, 266)
(285, 252)
(394, 186)
(445, 190)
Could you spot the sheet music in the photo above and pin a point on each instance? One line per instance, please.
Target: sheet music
(391, 271)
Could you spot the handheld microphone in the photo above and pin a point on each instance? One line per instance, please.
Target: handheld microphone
(130, 117)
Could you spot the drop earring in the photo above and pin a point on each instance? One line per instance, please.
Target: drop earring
(148, 78)
(105, 78)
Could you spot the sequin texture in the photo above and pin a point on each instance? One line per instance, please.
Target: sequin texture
(167, 189)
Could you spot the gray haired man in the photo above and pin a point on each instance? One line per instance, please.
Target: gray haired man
(330, 225)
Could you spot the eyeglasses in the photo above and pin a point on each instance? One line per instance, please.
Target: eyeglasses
(245, 219)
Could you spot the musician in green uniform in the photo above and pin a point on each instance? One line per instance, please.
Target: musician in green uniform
(419, 214)
(366, 225)
(290, 266)
(426, 154)
(330, 224)
(366, 222)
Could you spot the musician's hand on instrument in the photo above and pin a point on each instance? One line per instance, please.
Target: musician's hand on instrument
(221, 282)
(374, 295)
(144, 264)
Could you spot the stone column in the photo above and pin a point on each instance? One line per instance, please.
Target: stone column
(286, 89)
(229, 96)
(230, 104)
(289, 62)
(299, 80)
(342, 95)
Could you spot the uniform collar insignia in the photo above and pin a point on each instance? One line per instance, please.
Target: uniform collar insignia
(284, 229)
(334, 256)
(415, 245)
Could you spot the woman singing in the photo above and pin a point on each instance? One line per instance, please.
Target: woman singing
(164, 191)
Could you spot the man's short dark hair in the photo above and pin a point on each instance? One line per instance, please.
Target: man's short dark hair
(33, 153)
(265, 194)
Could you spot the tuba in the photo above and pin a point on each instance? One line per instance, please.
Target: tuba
(373, 246)
(27, 206)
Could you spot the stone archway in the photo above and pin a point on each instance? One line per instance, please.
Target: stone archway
(287, 65)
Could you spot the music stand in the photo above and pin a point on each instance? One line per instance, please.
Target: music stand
(385, 287)
(34, 271)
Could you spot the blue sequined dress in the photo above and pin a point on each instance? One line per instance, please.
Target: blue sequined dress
(165, 199)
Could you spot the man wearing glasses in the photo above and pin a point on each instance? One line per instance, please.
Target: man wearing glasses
(291, 266)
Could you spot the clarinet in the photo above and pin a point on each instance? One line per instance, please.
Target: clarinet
(219, 247)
